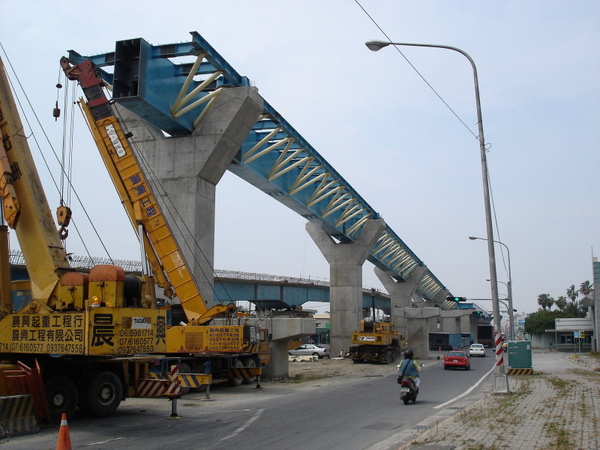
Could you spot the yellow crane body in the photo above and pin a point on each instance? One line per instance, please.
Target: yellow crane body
(375, 342)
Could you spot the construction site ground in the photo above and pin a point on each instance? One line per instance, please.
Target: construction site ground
(336, 368)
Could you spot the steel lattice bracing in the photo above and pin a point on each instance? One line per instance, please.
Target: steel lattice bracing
(173, 86)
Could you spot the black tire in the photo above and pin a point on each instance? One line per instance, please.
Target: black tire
(237, 381)
(249, 362)
(61, 396)
(405, 400)
(468, 368)
(445, 367)
(184, 368)
(103, 394)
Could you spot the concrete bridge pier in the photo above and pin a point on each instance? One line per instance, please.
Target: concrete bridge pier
(345, 279)
(402, 294)
(187, 169)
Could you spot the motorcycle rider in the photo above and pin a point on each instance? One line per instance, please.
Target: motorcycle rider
(409, 368)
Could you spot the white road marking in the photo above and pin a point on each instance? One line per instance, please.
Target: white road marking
(103, 442)
(468, 391)
(243, 427)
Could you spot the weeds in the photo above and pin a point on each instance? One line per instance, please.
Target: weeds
(560, 436)
(595, 355)
(559, 383)
(301, 377)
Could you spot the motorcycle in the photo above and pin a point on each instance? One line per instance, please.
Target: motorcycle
(408, 390)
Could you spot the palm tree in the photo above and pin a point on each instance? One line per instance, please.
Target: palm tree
(545, 301)
(576, 309)
(586, 288)
(561, 302)
(572, 293)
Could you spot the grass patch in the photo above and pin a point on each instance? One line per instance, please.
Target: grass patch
(302, 377)
(593, 376)
(595, 355)
(559, 383)
(560, 435)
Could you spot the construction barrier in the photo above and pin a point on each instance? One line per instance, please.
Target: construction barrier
(27, 381)
(17, 416)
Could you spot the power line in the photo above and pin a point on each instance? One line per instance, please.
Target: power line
(419, 73)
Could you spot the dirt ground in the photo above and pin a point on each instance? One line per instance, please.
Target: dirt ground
(338, 367)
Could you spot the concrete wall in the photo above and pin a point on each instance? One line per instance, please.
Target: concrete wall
(416, 324)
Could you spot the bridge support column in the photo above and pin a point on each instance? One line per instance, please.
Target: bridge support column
(184, 172)
(345, 278)
(280, 366)
(402, 294)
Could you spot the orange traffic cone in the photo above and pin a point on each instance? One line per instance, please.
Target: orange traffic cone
(64, 440)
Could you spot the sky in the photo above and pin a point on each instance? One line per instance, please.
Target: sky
(399, 125)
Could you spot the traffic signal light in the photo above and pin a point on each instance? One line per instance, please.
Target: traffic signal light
(456, 299)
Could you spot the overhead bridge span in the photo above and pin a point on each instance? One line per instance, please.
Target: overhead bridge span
(192, 116)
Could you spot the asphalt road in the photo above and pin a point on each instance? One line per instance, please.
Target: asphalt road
(333, 413)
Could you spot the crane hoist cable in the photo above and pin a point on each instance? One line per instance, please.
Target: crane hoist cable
(63, 212)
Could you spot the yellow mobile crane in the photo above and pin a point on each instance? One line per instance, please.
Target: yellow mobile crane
(83, 328)
(375, 342)
(232, 351)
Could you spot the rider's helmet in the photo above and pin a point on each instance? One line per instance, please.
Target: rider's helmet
(408, 354)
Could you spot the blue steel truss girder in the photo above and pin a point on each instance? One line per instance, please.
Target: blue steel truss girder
(174, 96)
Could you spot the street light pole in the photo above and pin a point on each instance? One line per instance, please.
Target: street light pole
(508, 286)
(501, 384)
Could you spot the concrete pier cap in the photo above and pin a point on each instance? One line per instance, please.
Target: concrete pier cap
(345, 283)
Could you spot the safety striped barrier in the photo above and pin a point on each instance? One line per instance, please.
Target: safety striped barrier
(244, 372)
(499, 350)
(16, 416)
(528, 371)
(186, 380)
(169, 387)
(151, 388)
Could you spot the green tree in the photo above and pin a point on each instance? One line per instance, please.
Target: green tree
(572, 293)
(576, 309)
(561, 302)
(586, 288)
(542, 320)
(545, 301)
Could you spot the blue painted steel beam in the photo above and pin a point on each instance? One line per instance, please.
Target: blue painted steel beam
(287, 295)
(174, 95)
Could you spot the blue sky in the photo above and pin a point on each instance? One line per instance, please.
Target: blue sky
(376, 121)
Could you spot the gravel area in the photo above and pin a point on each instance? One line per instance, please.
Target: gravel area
(338, 367)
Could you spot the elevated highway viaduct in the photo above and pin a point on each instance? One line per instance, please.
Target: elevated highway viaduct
(192, 116)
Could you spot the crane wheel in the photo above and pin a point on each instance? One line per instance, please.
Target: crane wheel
(61, 396)
(103, 394)
(249, 362)
(237, 381)
(184, 368)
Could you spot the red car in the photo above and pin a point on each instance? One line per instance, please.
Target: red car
(457, 358)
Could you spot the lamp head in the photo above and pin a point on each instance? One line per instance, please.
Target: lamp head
(375, 46)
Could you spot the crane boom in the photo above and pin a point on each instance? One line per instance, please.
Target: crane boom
(168, 264)
(25, 205)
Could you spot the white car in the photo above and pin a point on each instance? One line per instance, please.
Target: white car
(477, 350)
(320, 351)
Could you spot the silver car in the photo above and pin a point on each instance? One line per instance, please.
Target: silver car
(321, 351)
(477, 350)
